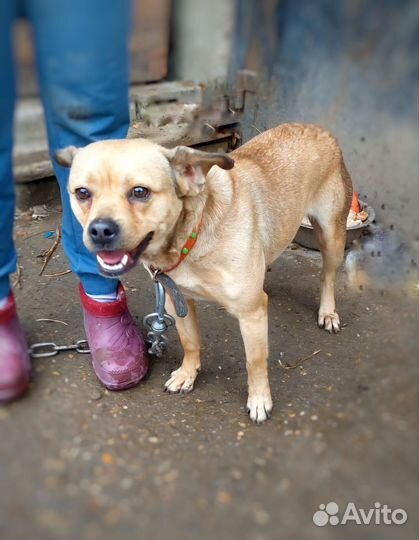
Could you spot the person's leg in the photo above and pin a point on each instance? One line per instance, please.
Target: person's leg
(82, 58)
(7, 184)
(14, 359)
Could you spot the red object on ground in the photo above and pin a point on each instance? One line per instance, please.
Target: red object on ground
(355, 203)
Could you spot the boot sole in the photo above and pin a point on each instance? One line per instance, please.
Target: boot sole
(11, 394)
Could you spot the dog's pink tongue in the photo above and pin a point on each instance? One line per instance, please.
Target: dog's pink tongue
(111, 257)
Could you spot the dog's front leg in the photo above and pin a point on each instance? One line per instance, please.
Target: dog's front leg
(183, 378)
(254, 330)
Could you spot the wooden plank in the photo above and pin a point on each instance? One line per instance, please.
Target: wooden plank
(159, 113)
(36, 165)
(145, 95)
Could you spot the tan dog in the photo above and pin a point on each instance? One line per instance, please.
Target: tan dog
(137, 199)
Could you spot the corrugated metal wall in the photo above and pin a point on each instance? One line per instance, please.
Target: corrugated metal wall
(351, 66)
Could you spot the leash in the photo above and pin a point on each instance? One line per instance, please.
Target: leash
(159, 321)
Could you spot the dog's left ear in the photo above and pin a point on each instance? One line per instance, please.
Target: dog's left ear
(191, 167)
(65, 156)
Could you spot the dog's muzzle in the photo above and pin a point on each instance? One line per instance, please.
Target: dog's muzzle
(114, 263)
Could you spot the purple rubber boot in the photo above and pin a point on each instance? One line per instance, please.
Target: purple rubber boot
(117, 348)
(15, 364)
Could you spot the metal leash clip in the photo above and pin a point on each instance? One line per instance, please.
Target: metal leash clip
(158, 322)
(51, 349)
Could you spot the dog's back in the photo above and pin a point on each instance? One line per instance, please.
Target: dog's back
(293, 170)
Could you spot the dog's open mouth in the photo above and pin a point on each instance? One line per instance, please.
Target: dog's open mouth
(117, 262)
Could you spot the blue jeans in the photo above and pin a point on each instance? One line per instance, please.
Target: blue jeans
(82, 63)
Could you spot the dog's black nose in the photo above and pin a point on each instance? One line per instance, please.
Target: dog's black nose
(103, 231)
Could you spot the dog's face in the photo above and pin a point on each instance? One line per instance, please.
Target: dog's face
(128, 195)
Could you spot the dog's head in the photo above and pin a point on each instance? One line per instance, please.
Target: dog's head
(128, 195)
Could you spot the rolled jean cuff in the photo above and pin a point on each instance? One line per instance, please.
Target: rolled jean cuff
(95, 284)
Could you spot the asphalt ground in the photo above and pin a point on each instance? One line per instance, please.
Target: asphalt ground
(80, 462)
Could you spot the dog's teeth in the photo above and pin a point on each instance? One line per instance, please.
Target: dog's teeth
(124, 259)
(115, 266)
(99, 258)
(110, 267)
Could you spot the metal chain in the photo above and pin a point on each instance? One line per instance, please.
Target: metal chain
(158, 322)
(47, 349)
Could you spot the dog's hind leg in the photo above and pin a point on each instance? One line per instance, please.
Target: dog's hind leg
(182, 379)
(331, 238)
(329, 225)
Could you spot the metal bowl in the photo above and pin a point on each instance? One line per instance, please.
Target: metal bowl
(305, 236)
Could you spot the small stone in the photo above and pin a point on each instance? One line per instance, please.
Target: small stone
(126, 483)
(87, 456)
(224, 497)
(284, 484)
(153, 440)
(236, 474)
(107, 458)
(96, 395)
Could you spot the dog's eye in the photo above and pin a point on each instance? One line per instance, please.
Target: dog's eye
(82, 194)
(140, 193)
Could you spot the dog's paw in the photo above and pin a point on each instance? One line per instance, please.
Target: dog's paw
(329, 322)
(259, 407)
(181, 381)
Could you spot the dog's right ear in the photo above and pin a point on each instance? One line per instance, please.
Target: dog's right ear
(191, 166)
(65, 156)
